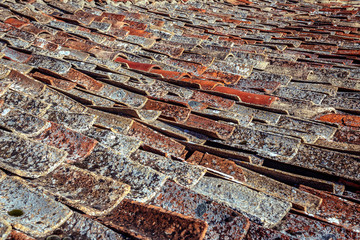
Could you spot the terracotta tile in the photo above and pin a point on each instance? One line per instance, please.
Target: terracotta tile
(257, 232)
(301, 227)
(57, 82)
(341, 119)
(169, 74)
(168, 111)
(83, 190)
(335, 210)
(75, 144)
(222, 222)
(83, 80)
(246, 96)
(79, 226)
(21, 196)
(252, 204)
(15, 55)
(155, 140)
(220, 76)
(137, 66)
(212, 100)
(181, 172)
(138, 220)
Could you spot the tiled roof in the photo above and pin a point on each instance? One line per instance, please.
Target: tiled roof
(217, 120)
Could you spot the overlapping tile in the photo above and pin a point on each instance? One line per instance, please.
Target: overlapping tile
(131, 89)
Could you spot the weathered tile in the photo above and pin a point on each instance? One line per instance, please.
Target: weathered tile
(76, 121)
(81, 227)
(138, 220)
(264, 143)
(336, 210)
(111, 121)
(17, 198)
(259, 207)
(52, 64)
(28, 158)
(209, 127)
(223, 222)
(303, 134)
(258, 114)
(5, 229)
(327, 161)
(181, 172)
(257, 232)
(316, 128)
(168, 111)
(301, 227)
(143, 180)
(155, 140)
(25, 84)
(22, 122)
(341, 119)
(122, 144)
(60, 102)
(83, 190)
(77, 146)
(295, 93)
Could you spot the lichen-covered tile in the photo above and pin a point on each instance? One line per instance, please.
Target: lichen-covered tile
(219, 164)
(264, 143)
(83, 80)
(25, 84)
(262, 183)
(181, 172)
(327, 161)
(207, 126)
(84, 190)
(259, 207)
(257, 232)
(168, 111)
(138, 220)
(304, 135)
(347, 135)
(122, 144)
(77, 145)
(258, 114)
(76, 121)
(239, 118)
(22, 122)
(25, 102)
(114, 122)
(19, 202)
(60, 102)
(5, 229)
(301, 227)
(81, 227)
(144, 181)
(155, 140)
(28, 158)
(336, 210)
(223, 222)
(54, 65)
(295, 93)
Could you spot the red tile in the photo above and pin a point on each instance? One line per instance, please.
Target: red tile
(203, 84)
(247, 97)
(341, 119)
(224, 77)
(169, 74)
(15, 22)
(137, 66)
